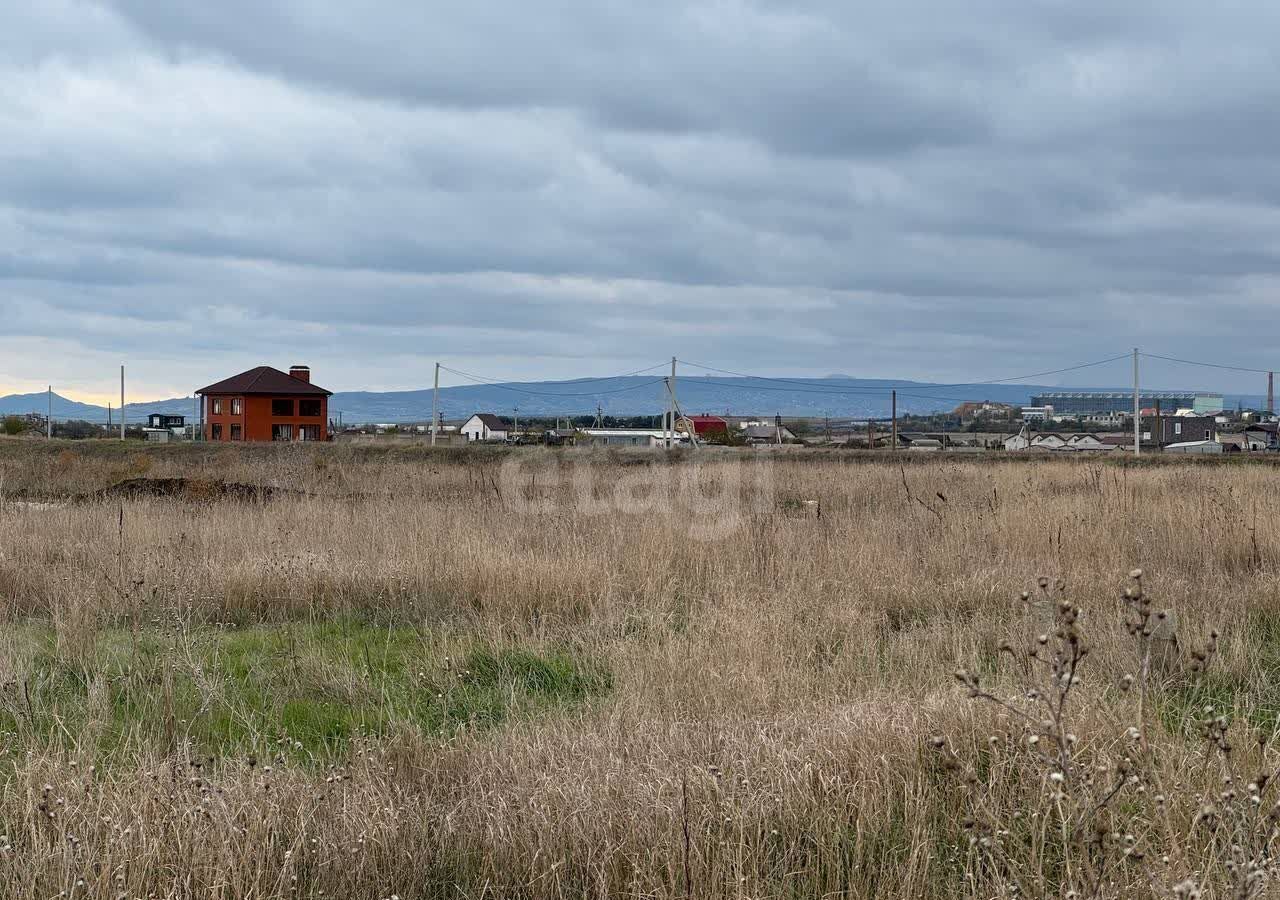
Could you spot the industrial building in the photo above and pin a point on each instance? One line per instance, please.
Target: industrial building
(1084, 403)
(265, 404)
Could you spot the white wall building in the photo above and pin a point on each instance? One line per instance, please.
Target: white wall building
(1084, 441)
(1194, 447)
(630, 437)
(484, 427)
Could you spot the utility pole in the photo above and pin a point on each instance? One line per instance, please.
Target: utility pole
(516, 426)
(599, 416)
(871, 434)
(894, 413)
(1271, 392)
(671, 388)
(1137, 409)
(1158, 431)
(48, 422)
(122, 402)
(777, 428)
(666, 414)
(435, 406)
(109, 420)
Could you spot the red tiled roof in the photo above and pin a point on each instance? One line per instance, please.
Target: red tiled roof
(264, 380)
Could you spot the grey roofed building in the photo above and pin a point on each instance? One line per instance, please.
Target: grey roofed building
(758, 434)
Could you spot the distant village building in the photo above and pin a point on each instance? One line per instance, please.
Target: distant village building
(266, 404)
(484, 427)
(1197, 448)
(1080, 442)
(1086, 441)
(162, 427)
(768, 434)
(1019, 442)
(1109, 419)
(983, 409)
(166, 420)
(630, 437)
(1164, 430)
(1261, 437)
(706, 425)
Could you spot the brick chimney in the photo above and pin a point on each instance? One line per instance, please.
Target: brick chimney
(302, 373)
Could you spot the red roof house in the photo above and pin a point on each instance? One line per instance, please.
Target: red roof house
(265, 404)
(707, 424)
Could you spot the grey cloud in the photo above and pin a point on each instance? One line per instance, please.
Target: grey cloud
(927, 189)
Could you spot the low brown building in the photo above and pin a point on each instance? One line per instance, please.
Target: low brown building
(265, 404)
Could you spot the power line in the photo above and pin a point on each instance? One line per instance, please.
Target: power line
(891, 386)
(508, 387)
(1192, 362)
(584, 380)
(866, 393)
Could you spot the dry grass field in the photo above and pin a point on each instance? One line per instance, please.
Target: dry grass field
(368, 673)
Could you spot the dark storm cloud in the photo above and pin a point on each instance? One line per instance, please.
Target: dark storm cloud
(928, 189)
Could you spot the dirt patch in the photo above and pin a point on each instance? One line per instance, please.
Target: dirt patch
(184, 489)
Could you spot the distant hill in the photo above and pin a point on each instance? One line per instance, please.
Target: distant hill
(838, 396)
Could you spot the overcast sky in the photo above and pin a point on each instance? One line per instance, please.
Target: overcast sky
(946, 190)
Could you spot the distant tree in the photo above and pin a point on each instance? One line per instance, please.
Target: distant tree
(13, 425)
(76, 429)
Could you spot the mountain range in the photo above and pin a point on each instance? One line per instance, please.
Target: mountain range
(838, 396)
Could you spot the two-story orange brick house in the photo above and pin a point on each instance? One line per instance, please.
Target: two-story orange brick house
(265, 404)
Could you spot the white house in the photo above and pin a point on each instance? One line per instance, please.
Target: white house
(630, 437)
(1019, 441)
(1048, 442)
(1084, 441)
(1258, 437)
(484, 427)
(1195, 447)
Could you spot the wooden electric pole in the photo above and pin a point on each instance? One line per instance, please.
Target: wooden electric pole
(894, 413)
(435, 406)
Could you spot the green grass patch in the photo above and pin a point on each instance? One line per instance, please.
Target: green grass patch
(302, 690)
(1252, 693)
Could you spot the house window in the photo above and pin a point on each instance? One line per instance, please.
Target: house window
(308, 432)
(217, 406)
(1177, 428)
(309, 408)
(215, 432)
(281, 407)
(281, 432)
(237, 433)
(237, 406)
